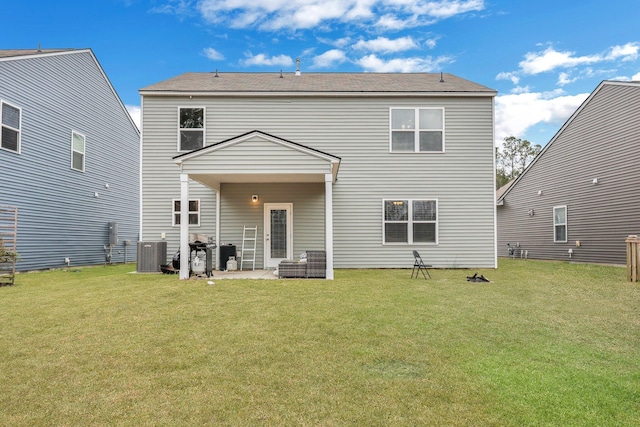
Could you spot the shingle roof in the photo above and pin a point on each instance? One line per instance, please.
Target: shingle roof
(8, 53)
(208, 83)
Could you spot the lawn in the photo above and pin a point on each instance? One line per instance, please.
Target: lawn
(543, 344)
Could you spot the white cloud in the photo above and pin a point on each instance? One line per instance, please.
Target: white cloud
(431, 43)
(304, 14)
(342, 42)
(134, 112)
(516, 113)
(636, 77)
(514, 77)
(627, 52)
(446, 9)
(385, 45)
(212, 54)
(175, 7)
(393, 22)
(550, 59)
(403, 65)
(262, 59)
(329, 58)
(565, 79)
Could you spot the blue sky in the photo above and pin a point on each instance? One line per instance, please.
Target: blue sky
(543, 57)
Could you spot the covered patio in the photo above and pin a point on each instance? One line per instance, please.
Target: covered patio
(256, 158)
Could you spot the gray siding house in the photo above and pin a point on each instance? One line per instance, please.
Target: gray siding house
(367, 167)
(70, 159)
(580, 197)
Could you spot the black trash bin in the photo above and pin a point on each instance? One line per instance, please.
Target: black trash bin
(226, 251)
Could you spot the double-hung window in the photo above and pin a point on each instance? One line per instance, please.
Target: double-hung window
(194, 212)
(191, 128)
(11, 122)
(560, 224)
(410, 221)
(418, 130)
(77, 151)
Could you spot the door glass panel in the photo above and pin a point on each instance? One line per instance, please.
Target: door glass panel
(278, 233)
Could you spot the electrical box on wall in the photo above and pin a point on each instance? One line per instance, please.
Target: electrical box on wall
(113, 233)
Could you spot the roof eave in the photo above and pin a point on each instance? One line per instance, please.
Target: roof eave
(312, 94)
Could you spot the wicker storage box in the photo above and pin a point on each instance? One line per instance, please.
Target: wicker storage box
(317, 264)
(292, 269)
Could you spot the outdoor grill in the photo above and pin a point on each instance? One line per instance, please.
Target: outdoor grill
(201, 251)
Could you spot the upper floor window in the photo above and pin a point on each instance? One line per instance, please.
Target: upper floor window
(410, 221)
(191, 129)
(77, 151)
(560, 224)
(194, 212)
(417, 130)
(10, 136)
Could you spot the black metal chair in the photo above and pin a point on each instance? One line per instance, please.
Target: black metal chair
(421, 266)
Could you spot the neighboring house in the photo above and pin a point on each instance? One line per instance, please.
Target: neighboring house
(70, 159)
(367, 167)
(580, 197)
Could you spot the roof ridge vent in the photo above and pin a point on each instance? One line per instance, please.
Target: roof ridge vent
(297, 66)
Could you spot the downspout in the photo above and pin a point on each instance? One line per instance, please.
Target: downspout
(140, 169)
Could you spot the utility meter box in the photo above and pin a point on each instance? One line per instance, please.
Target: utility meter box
(113, 233)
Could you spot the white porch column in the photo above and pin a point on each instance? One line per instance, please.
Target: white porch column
(216, 264)
(184, 226)
(328, 227)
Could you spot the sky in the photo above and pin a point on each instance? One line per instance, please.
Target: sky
(542, 57)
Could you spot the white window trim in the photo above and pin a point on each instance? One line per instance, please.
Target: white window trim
(174, 213)
(410, 221)
(566, 224)
(18, 151)
(204, 126)
(416, 139)
(84, 153)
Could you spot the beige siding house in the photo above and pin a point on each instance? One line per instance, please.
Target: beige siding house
(367, 167)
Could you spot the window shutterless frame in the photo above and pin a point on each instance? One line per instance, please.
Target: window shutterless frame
(560, 232)
(191, 128)
(194, 212)
(416, 129)
(10, 127)
(78, 149)
(410, 221)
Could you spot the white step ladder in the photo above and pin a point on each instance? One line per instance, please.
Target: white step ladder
(249, 243)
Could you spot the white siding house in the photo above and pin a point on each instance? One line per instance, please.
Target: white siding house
(367, 167)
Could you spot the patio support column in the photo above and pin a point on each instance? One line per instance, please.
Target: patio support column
(185, 252)
(328, 228)
(217, 262)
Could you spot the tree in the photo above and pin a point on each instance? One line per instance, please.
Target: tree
(513, 158)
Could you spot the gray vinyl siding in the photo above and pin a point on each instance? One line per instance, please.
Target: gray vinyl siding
(602, 141)
(58, 214)
(308, 214)
(357, 131)
(257, 156)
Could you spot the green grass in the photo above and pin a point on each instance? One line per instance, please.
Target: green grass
(543, 344)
